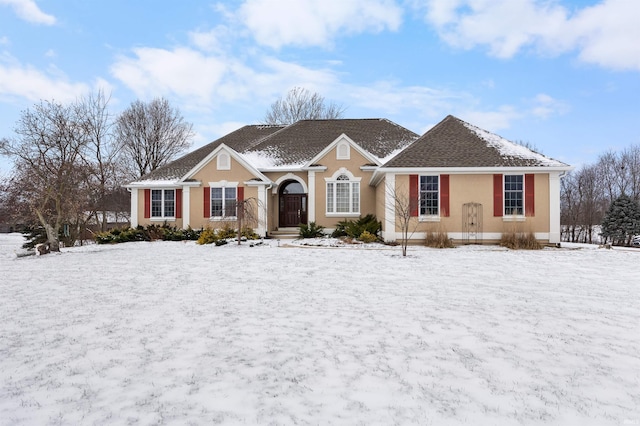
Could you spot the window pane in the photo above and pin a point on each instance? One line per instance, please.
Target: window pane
(342, 197)
(216, 202)
(156, 203)
(429, 195)
(293, 188)
(513, 194)
(230, 202)
(169, 203)
(355, 197)
(330, 188)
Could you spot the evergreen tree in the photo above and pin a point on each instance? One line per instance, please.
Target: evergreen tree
(622, 220)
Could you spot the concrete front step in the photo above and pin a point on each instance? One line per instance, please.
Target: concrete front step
(285, 233)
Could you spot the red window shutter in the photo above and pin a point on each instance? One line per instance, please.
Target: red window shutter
(147, 203)
(207, 202)
(178, 203)
(498, 206)
(444, 195)
(240, 194)
(529, 195)
(414, 194)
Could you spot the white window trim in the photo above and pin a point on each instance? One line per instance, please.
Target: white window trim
(513, 217)
(162, 218)
(429, 217)
(222, 184)
(333, 180)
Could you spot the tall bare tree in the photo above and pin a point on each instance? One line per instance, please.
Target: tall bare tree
(47, 151)
(152, 134)
(301, 104)
(106, 176)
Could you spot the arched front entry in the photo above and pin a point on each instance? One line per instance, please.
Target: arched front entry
(292, 204)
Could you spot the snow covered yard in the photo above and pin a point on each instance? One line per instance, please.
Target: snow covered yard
(176, 333)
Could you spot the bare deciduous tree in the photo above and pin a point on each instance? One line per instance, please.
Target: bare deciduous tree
(405, 206)
(48, 147)
(152, 134)
(587, 193)
(101, 156)
(301, 104)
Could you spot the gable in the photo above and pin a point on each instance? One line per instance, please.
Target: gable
(343, 150)
(224, 163)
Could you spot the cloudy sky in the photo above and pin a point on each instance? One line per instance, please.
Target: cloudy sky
(562, 75)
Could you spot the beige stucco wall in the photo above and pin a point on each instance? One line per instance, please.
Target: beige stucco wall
(209, 173)
(353, 165)
(478, 188)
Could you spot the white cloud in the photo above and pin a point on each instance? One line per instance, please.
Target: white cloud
(391, 98)
(277, 23)
(23, 81)
(492, 120)
(605, 34)
(29, 11)
(544, 106)
(214, 40)
(609, 34)
(207, 80)
(182, 71)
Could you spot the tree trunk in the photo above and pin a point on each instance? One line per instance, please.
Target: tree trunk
(52, 233)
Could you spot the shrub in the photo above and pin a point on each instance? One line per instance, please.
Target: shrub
(438, 239)
(152, 232)
(227, 231)
(312, 230)
(207, 236)
(34, 235)
(520, 241)
(354, 229)
(367, 237)
(249, 234)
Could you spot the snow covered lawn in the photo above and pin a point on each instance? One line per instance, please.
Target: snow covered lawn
(176, 333)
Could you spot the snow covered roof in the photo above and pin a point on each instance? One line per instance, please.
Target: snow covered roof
(456, 143)
(302, 141)
(238, 140)
(279, 147)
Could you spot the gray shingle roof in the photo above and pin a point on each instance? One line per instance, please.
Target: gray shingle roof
(297, 143)
(303, 140)
(456, 143)
(239, 140)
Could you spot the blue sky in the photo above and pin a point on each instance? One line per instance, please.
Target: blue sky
(562, 75)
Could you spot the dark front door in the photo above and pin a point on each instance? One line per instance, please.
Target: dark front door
(293, 210)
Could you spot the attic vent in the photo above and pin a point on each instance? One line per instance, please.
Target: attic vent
(224, 162)
(343, 151)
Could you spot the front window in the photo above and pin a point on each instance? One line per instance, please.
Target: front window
(343, 195)
(163, 203)
(429, 195)
(513, 195)
(223, 202)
